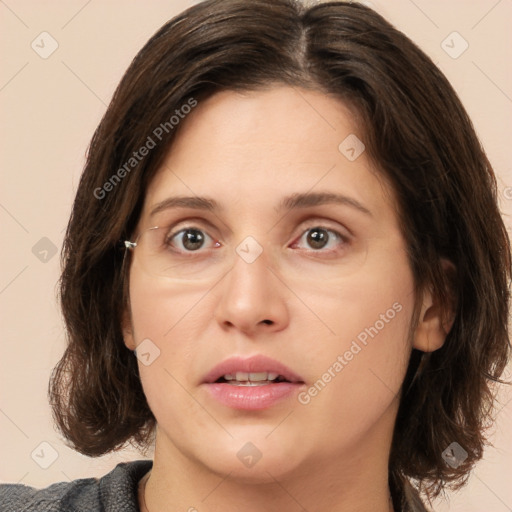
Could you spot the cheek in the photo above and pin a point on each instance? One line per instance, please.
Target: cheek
(373, 306)
(356, 379)
(161, 315)
(358, 368)
(160, 308)
(367, 345)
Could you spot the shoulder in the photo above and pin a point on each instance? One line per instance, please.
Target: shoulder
(115, 491)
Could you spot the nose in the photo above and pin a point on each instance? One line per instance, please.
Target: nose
(252, 298)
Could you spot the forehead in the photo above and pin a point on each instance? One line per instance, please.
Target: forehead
(282, 120)
(254, 148)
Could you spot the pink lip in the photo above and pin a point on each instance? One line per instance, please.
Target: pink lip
(251, 397)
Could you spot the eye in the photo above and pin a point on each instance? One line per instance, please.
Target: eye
(189, 239)
(319, 237)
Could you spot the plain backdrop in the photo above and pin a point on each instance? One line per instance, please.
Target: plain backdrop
(50, 108)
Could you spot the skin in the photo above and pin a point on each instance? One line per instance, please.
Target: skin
(247, 151)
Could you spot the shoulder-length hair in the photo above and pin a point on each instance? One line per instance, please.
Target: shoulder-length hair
(418, 135)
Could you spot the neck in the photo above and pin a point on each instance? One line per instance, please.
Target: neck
(187, 485)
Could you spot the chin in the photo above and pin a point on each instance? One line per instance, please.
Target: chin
(254, 458)
(263, 472)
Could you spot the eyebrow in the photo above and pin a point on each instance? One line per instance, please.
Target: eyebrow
(295, 201)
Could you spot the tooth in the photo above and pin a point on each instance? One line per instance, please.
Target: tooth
(249, 383)
(228, 376)
(242, 376)
(273, 376)
(256, 377)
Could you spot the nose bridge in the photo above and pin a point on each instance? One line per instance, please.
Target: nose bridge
(250, 272)
(251, 293)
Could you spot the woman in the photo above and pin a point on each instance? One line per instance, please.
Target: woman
(285, 267)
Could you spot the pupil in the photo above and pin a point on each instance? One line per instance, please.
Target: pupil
(317, 238)
(192, 239)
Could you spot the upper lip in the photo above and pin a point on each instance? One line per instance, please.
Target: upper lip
(254, 364)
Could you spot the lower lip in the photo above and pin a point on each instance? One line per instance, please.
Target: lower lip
(251, 397)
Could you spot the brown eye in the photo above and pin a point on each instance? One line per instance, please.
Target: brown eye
(192, 239)
(317, 238)
(188, 239)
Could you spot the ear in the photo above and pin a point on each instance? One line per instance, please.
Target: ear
(126, 327)
(434, 322)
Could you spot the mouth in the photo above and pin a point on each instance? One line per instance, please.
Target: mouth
(251, 379)
(252, 383)
(258, 370)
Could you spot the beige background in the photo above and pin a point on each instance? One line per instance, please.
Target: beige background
(50, 108)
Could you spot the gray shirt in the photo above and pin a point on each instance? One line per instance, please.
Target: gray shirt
(114, 492)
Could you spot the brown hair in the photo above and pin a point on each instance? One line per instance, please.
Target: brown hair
(418, 134)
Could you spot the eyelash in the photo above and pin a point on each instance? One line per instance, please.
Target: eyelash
(343, 239)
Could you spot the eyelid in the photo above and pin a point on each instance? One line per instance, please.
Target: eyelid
(323, 221)
(325, 224)
(191, 223)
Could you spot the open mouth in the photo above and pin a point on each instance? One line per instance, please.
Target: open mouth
(251, 379)
(253, 383)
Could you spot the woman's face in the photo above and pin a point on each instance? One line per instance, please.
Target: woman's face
(323, 288)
